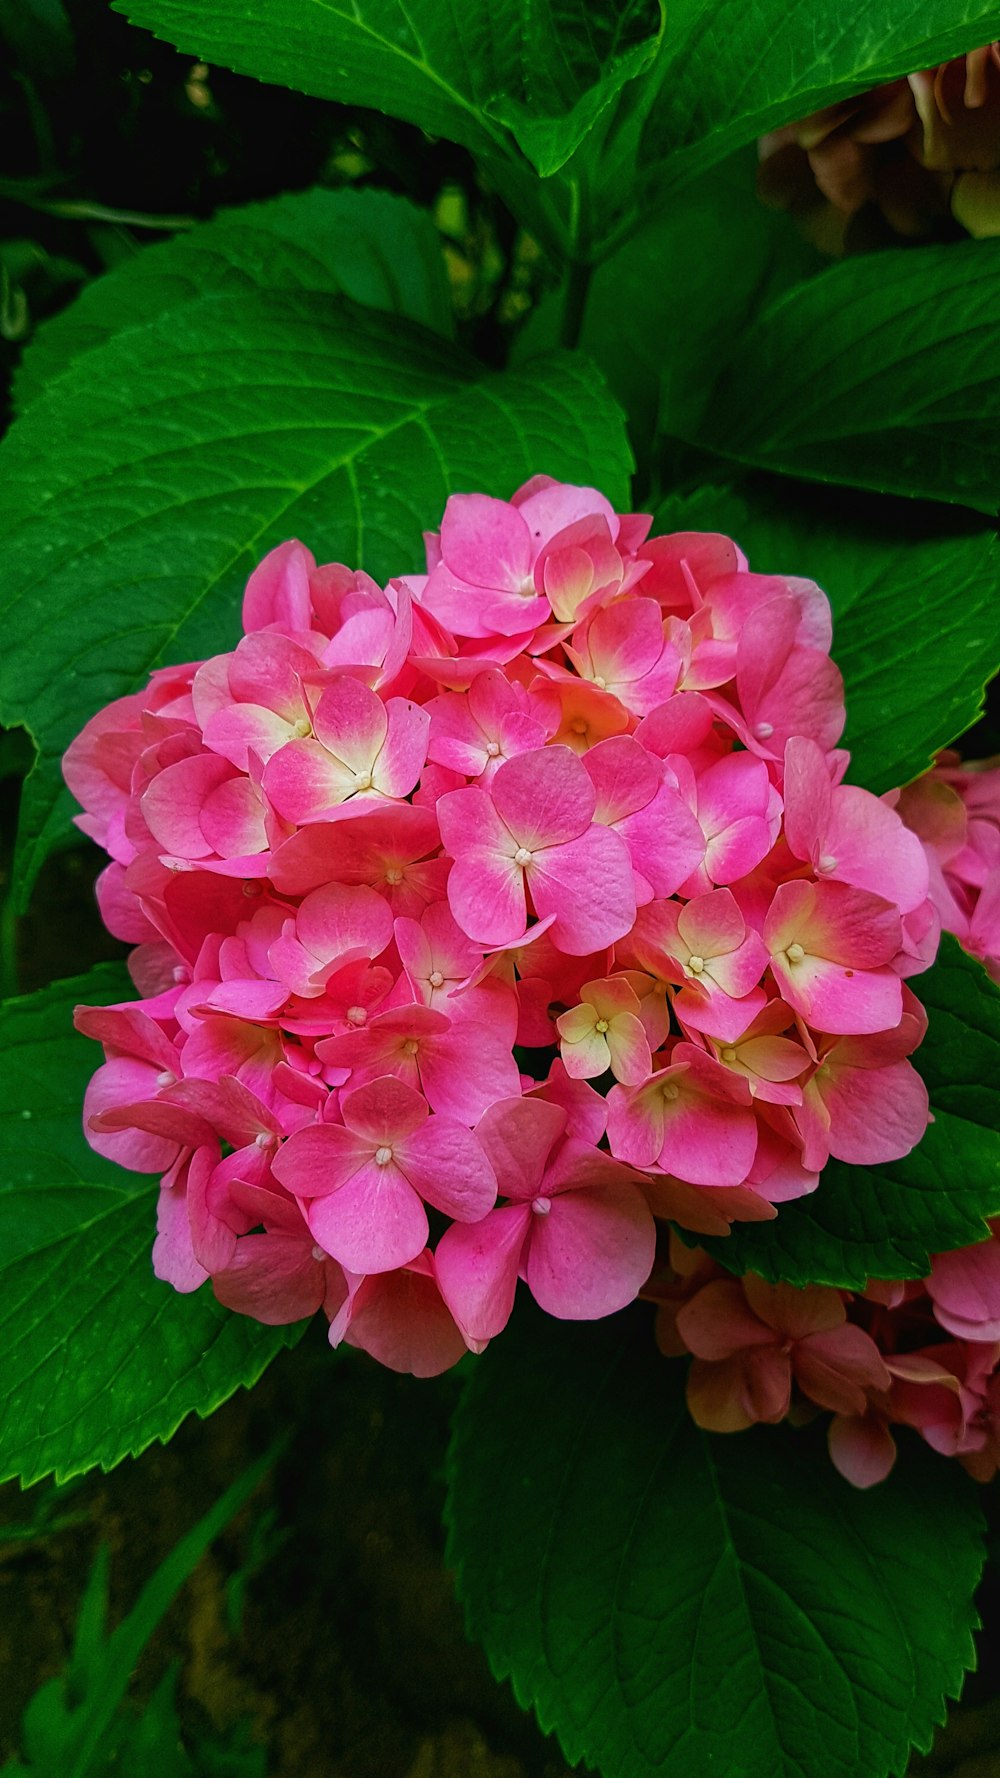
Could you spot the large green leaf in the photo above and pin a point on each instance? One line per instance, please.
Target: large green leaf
(673, 1602)
(914, 596)
(99, 1358)
(728, 72)
(369, 245)
(497, 75)
(137, 493)
(885, 1222)
(881, 373)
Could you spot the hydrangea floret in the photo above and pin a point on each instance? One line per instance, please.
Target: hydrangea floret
(488, 920)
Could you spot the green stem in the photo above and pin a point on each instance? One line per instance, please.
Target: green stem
(575, 306)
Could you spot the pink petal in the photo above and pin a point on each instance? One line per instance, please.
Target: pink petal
(718, 1321)
(544, 797)
(517, 1136)
(447, 1165)
(588, 885)
(404, 750)
(278, 590)
(862, 1448)
(477, 1267)
(273, 1278)
(399, 1318)
(591, 1253)
(486, 541)
(373, 1222)
(317, 1161)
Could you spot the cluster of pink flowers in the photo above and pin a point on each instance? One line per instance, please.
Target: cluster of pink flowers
(955, 809)
(925, 1355)
(570, 800)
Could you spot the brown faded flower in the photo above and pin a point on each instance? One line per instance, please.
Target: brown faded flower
(913, 158)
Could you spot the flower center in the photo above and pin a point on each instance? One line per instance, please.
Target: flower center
(764, 731)
(410, 1047)
(522, 856)
(669, 1090)
(600, 682)
(364, 782)
(795, 953)
(436, 979)
(318, 1253)
(301, 728)
(729, 1055)
(393, 877)
(493, 749)
(166, 1079)
(827, 862)
(264, 1139)
(601, 1026)
(579, 725)
(383, 1156)
(541, 1206)
(357, 1015)
(696, 965)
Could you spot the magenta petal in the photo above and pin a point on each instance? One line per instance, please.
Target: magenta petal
(591, 1253)
(477, 1267)
(373, 1222)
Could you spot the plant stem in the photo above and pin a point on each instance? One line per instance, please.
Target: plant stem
(575, 305)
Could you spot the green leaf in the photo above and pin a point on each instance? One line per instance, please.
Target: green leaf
(139, 491)
(368, 245)
(728, 72)
(885, 1222)
(673, 1602)
(880, 373)
(100, 1359)
(495, 74)
(916, 616)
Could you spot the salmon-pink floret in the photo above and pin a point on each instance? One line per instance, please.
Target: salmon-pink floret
(848, 835)
(359, 747)
(692, 1118)
(605, 1031)
(830, 948)
(366, 1180)
(575, 1225)
(532, 831)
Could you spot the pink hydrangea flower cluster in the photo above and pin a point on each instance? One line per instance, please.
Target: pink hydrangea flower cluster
(955, 809)
(412, 868)
(925, 1355)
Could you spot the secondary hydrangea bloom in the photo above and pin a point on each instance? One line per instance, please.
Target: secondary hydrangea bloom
(912, 157)
(955, 810)
(924, 1355)
(487, 920)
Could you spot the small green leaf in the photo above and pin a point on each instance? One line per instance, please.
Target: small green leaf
(916, 616)
(139, 491)
(100, 1358)
(497, 75)
(885, 1222)
(375, 248)
(880, 373)
(673, 1602)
